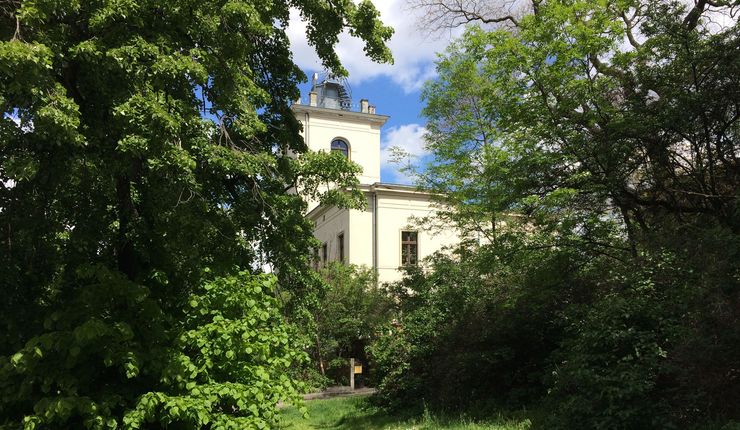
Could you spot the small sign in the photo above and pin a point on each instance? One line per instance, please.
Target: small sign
(358, 368)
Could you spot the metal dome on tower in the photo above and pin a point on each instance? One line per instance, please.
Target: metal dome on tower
(332, 92)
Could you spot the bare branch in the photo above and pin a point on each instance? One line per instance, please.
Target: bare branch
(10, 8)
(436, 15)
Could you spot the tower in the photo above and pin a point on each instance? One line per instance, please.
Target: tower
(331, 124)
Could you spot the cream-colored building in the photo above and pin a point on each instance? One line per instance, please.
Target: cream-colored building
(385, 236)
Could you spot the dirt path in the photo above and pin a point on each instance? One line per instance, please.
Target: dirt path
(333, 392)
(338, 392)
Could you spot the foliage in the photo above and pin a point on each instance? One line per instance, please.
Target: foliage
(234, 320)
(473, 329)
(539, 122)
(350, 311)
(142, 142)
(589, 152)
(194, 380)
(613, 358)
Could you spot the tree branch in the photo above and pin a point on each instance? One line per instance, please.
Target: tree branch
(630, 36)
(692, 18)
(441, 14)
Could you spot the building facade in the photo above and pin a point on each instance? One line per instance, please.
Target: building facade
(384, 236)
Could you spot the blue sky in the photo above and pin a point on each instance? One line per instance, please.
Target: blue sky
(387, 96)
(394, 90)
(405, 127)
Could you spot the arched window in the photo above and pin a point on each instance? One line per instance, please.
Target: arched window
(340, 146)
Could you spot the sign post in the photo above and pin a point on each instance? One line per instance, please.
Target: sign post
(352, 373)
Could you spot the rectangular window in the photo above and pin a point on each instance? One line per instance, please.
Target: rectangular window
(324, 254)
(340, 248)
(409, 248)
(316, 260)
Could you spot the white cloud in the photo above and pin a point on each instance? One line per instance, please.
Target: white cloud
(414, 51)
(408, 139)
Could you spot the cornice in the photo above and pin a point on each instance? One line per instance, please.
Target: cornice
(338, 113)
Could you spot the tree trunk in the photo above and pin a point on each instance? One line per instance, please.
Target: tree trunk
(127, 215)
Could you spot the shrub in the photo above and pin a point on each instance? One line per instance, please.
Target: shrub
(348, 314)
(226, 366)
(611, 371)
(470, 328)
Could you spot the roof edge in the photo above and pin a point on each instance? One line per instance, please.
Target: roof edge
(370, 117)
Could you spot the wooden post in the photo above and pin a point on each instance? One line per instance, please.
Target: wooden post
(352, 373)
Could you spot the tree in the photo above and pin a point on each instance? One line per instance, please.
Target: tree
(602, 136)
(571, 106)
(449, 14)
(143, 170)
(349, 314)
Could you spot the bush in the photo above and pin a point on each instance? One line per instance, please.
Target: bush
(223, 366)
(471, 329)
(348, 314)
(591, 343)
(611, 371)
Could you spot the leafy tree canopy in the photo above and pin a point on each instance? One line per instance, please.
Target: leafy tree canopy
(590, 149)
(591, 111)
(143, 169)
(349, 314)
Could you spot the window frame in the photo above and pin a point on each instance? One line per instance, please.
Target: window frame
(406, 246)
(346, 144)
(340, 247)
(324, 254)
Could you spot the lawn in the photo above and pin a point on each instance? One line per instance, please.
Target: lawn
(354, 413)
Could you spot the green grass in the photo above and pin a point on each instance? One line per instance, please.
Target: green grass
(354, 413)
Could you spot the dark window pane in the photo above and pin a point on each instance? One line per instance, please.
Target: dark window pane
(340, 146)
(340, 239)
(409, 248)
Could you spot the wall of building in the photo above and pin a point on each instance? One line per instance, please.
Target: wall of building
(330, 222)
(396, 212)
(361, 234)
(362, 135)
